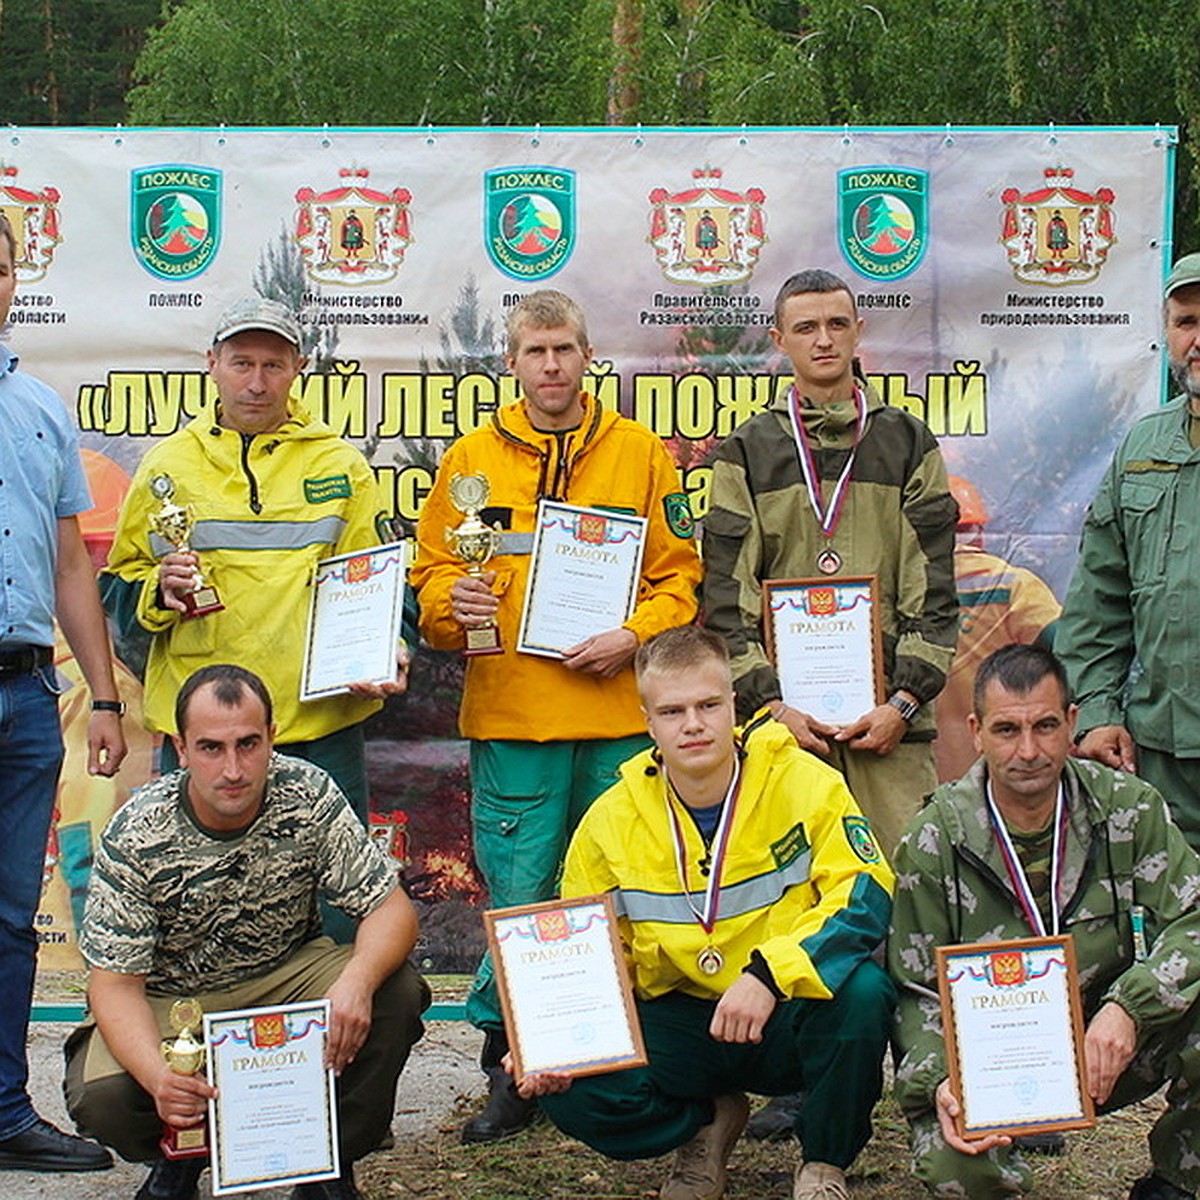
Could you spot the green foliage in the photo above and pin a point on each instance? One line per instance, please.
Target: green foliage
(69, 62)
(681, 62)
(355, 62)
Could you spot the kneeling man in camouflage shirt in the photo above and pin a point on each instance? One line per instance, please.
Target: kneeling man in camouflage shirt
(205, 886)
(1032, 842)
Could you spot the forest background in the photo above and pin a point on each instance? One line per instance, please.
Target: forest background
(608, 62)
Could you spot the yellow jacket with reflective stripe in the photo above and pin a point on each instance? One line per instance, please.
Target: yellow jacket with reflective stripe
(267, 509)
(803, 882)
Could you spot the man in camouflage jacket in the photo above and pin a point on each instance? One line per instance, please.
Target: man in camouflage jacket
(1122, 861)
(888, 513)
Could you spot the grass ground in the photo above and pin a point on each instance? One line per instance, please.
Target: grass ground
(541, 1164)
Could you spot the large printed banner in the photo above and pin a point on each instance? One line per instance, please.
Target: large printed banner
(1010, 281)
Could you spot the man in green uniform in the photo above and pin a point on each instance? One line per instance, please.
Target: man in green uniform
(977, 865)
(1136, 589)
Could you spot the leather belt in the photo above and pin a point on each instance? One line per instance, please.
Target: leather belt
(25, 659)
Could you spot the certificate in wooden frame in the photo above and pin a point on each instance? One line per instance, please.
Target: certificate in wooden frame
(582, 579)
(564, 988)
(1013, 1023)
(824, 639)
(274, 1120)
(355, 615)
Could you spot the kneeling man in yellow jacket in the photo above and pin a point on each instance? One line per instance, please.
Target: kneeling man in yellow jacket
(751, 894)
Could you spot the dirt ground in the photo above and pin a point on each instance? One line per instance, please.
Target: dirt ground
(442, 1083)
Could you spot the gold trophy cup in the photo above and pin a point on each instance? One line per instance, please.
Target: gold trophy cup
(475, 543)
(174, 523)
(185, 1056)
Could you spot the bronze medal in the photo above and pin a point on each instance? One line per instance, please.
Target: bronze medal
(829, 562)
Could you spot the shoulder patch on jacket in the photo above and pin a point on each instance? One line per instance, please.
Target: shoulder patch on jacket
(790, 846)
(1143, 466)
(861, 839)
(332, 487)
(678, 510)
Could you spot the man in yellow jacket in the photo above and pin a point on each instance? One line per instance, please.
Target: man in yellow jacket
(750, 894)
(273, 491)
(547, 734)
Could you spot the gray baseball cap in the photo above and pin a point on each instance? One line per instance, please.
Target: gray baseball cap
(256, 312)
(1185, 272)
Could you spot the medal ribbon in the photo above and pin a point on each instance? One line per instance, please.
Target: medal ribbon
(827, 517)
(1016, 872)
(712, 894)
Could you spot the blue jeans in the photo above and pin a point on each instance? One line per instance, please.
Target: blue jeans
(31, 753)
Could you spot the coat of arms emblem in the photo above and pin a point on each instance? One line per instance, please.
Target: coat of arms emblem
(1057, 233)
(707, 234)
(353, 233)
(33, 217)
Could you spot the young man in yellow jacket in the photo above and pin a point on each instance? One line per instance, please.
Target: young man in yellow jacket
(751, 894)
(547, 734)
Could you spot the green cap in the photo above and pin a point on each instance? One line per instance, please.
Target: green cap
(257, 312)
(1186, 271)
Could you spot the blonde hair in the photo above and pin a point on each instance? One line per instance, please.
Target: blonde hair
(546, 309)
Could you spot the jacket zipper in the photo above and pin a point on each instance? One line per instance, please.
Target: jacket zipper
(255, 502)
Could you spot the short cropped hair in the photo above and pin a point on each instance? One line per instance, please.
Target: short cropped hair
(813, 280)
(545, 309)
(230, 685)
(1019, 669)
(680, 649)
(6, 232)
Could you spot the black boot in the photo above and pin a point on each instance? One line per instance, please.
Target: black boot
(506, 1112)
(342, 1188)
(776, 1119)
(172, 1179)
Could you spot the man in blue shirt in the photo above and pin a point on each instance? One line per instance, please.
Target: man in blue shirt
(44, 571)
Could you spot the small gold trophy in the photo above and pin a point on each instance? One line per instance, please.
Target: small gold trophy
(185, 1056)
(475, 543)
(174, 523)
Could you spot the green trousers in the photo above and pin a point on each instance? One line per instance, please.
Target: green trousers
(109, 1105)
(1178, 780)
(1170, 1055)
(526, 799)
(832, 1050)
(889, 790)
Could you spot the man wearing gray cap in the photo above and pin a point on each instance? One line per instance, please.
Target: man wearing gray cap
(273, 490)
(1136, 588)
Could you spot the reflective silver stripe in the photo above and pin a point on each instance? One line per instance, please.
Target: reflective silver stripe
(516, 543)
(257, 535)
(736, 900)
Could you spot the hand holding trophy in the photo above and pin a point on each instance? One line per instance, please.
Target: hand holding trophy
(475, 544)
(185, 1056)
(174, 523)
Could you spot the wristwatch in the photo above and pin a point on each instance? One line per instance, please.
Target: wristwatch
(117, 706)
(905, 707)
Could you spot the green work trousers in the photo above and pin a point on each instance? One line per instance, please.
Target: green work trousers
(832, 1050)
(526, 799)
(108, 1104)
(1178, 780)
(890, 790)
